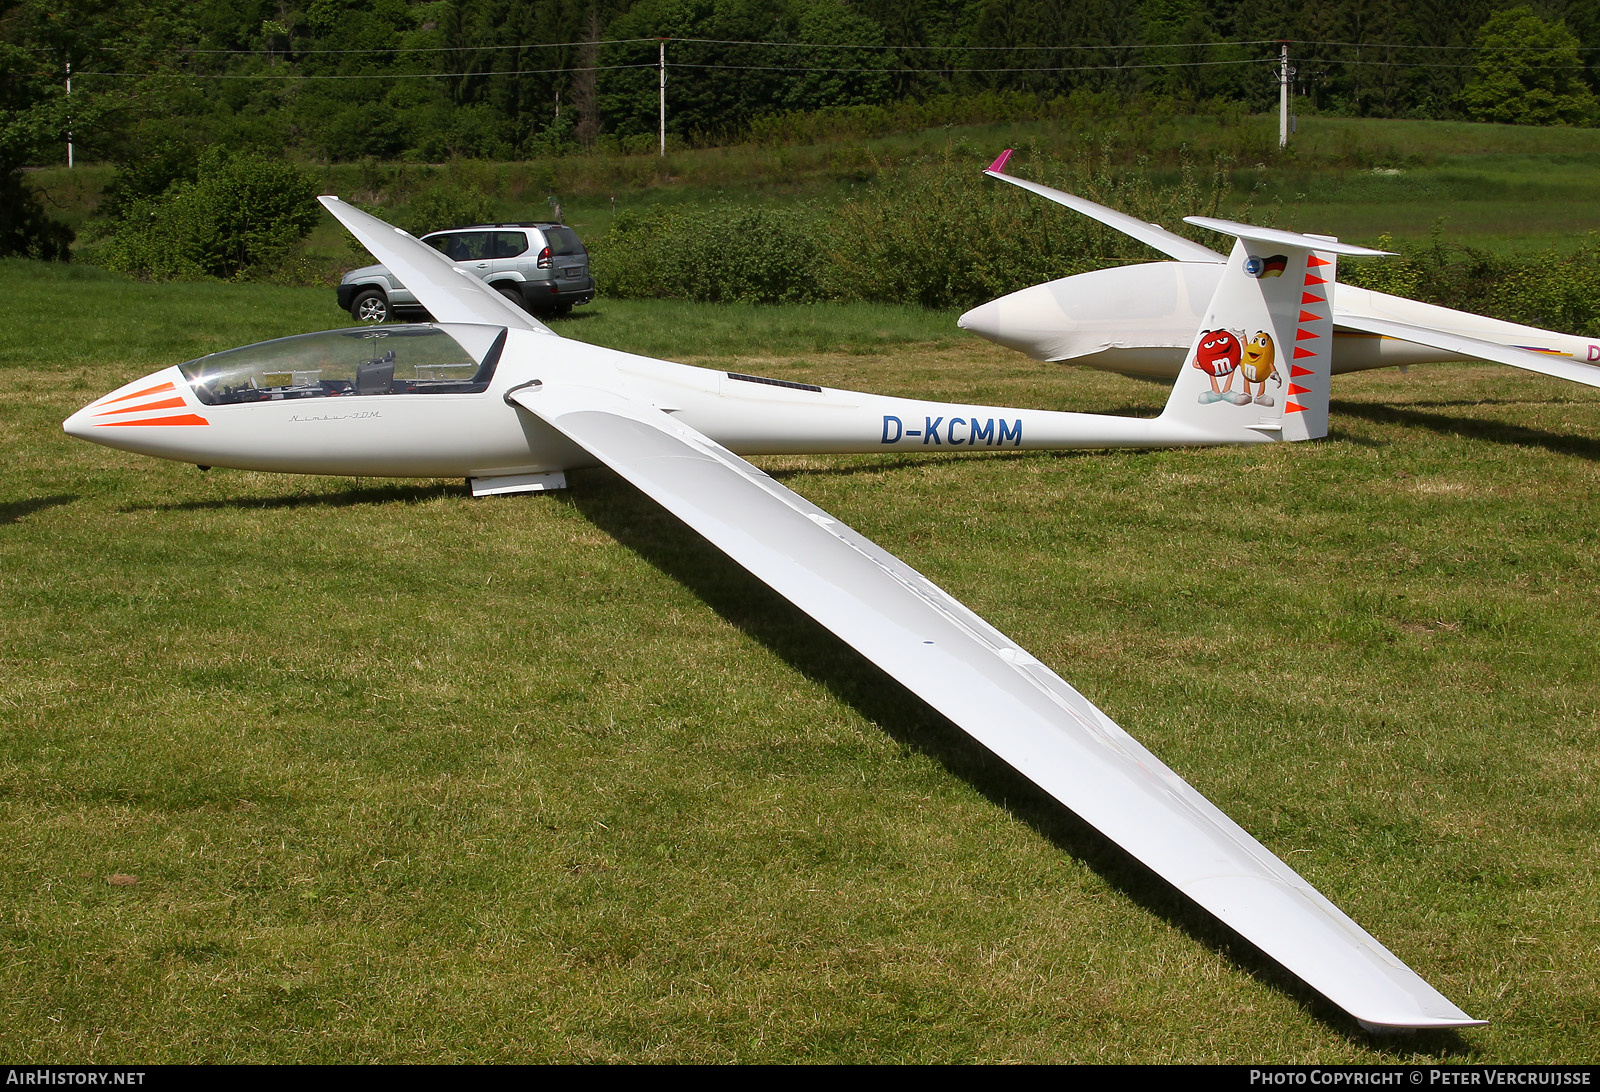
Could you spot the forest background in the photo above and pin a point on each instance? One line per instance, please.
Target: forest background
(428, 80)
(209, 126)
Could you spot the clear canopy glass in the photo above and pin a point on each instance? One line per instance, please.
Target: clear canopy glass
(371, 360)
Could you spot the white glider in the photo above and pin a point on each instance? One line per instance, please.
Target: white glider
(489, 394)
(1138, 319)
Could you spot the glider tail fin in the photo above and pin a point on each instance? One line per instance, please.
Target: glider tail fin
(1261, 360)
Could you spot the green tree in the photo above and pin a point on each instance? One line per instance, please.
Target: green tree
(1528, 73)
(831, 81)
(241, 216)
(30, 116)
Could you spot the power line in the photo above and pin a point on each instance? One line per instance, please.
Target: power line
(670, 64)
(926, 71)
(953, 70)
(363, 75)
(954, 48)
(881, 47)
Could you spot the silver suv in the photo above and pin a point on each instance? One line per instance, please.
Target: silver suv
(542, 267)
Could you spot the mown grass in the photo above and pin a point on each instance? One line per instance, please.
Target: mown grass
(407, 776)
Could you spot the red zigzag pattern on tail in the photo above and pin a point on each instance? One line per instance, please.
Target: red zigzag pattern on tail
(1307, 299)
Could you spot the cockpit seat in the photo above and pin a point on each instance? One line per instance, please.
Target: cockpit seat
(375, 376)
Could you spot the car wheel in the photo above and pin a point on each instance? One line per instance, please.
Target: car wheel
(511, 294)
(370, 306)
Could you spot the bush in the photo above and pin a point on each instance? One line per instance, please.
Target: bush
(939, 235)
(1550, 291)
(446, 206)
(934, 234)
(241, 216)
(720, 254)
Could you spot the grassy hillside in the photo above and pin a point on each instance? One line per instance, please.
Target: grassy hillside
(327, 770)
(1508, 189)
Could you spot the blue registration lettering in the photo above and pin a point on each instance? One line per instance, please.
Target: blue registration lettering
(931, 424)
(1011, 434)
(898, 429)
(954, 421)
(984, 432)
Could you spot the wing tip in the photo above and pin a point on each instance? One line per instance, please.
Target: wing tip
(1395, 1027)
(1000, 161)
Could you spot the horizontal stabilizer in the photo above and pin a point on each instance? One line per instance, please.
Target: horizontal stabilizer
(1571, 370)
(1277, 237)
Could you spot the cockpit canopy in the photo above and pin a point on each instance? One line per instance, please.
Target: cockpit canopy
(370, 360)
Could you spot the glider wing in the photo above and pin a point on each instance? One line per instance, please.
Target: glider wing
(982, 681)
(449, 292)
(1474, 347)
(1169, 243)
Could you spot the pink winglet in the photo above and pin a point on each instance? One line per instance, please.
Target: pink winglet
(999, 165)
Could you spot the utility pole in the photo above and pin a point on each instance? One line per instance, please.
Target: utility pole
(663, 111)
(1284, 74)
(69, 115)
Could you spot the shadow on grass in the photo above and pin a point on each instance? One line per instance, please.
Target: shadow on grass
(884, 464)
(887, 464)
(1472, 428)
(655, 535)
(575, 315)
(13, 511)
(348, 498)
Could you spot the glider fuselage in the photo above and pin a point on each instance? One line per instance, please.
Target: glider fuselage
(410, 429)
(1140, 320)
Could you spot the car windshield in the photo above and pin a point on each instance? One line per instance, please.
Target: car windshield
(367, 361)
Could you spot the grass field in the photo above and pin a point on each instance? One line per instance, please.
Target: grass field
(306, 769)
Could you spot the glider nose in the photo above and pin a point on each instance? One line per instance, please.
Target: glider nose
(78, 424)
(148, 415)
(1030, 321)
(983, 320)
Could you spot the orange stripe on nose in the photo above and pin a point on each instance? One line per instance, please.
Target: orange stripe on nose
(140, 394)
(180, 419)
(165, 403)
